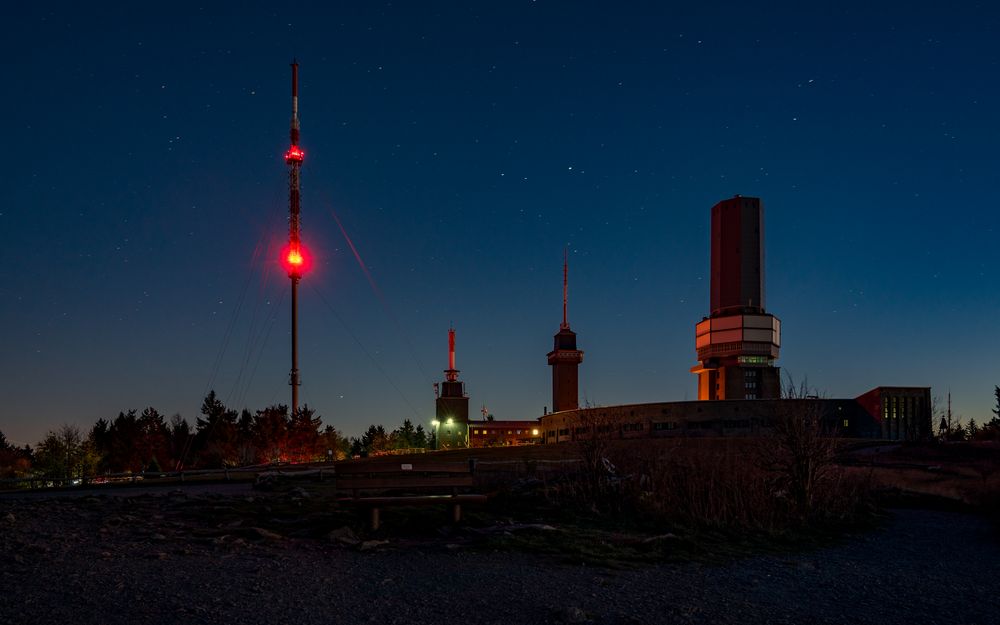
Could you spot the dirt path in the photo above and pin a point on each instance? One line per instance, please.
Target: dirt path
(94, 561)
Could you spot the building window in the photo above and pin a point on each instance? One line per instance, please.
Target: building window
(846, 423)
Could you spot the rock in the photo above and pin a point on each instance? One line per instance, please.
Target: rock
(298, 493)
(660, 538)
(267, 534)
(370, 545)
(507, 529)
(158, 538)
(344, 535)
(265, 481)
(453, 546)
(573, 614)
(527, 485)
(10, 518)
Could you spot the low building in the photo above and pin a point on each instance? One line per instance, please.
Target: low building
(894, 413)
(899, 413)
(504, 433)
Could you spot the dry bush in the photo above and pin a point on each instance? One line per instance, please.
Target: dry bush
(769, 484)
(763, 484)
(708, 483)
(593, 484)
(800, 453)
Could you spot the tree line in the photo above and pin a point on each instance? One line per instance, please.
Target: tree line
(221, 437)
(972, 431)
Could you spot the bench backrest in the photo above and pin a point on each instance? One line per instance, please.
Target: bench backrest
(373, 476)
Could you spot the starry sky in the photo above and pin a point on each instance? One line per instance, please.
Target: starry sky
(462, 146)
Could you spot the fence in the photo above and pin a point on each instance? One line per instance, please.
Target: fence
(157, 477)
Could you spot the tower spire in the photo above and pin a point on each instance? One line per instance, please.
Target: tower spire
(451, 373)
(565, 322)
(451, 427)
(565, 357)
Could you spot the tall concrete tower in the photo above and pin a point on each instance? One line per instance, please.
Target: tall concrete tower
(565, 358)
(451, 426)
(739, 342)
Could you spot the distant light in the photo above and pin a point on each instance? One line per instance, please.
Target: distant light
(435, 423)
(450, 421)
(534, 432)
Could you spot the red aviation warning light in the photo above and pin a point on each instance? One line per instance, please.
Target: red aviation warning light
(296, 260)
(294, 155)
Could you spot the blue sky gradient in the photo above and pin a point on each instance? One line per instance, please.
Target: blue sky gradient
(462, 146)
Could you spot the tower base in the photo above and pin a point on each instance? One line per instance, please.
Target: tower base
(737, 382)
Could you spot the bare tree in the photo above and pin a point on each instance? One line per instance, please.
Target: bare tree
(801, 449)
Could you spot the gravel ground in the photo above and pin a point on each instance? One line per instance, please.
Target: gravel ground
(138, 559)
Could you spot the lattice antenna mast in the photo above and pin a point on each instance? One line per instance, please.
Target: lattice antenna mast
(294, 260)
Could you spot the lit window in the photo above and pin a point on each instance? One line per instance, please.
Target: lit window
(846, 423)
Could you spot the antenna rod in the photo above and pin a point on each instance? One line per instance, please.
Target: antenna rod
(565, 323)
(294, 135)
(451, 348)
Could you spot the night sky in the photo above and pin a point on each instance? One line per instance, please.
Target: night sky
(463, 146)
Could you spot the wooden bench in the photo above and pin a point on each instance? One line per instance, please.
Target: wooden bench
(376, 484)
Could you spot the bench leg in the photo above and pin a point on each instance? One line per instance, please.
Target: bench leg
(456, 512)
(374, 518)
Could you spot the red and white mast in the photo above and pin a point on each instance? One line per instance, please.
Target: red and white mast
(451, 373)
